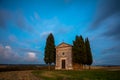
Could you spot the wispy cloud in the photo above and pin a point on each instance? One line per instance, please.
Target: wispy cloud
(16, 18)
(105, 27)
(104, 11)
(55, 26)
(14, 39)
(109, 59)
(113, 49)
(5, 15)
(29, 50)
(36, 16)
(45, 34)
(113, 31)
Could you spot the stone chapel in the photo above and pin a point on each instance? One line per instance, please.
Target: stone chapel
(64, 56)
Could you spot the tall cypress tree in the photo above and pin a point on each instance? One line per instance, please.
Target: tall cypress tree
(50, 52)
(75, 50)
(88, 53)
(82, 55)
(79, 50)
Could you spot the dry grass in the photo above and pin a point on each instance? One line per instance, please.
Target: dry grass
(105, 67)
(17, 75)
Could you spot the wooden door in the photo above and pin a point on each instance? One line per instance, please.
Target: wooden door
(63, 64)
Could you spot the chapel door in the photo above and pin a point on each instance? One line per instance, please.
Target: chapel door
(63, 64)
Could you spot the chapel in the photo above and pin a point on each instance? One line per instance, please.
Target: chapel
(64, 57)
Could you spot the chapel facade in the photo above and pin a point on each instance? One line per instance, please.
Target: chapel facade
(64, 57)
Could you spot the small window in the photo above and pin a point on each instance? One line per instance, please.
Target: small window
(63, 53)
(80, 46)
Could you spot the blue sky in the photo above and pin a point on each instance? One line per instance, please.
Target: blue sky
(25, 25)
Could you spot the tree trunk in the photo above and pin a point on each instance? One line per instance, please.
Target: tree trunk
(89, 67)
(84, 66)
(49, 66)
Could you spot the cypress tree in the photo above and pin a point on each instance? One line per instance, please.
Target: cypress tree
(88, 53)
(50, 52)
(75, 50)
(79, 51)
(82, 57)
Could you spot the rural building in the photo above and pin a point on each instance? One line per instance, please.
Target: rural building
(64, 56)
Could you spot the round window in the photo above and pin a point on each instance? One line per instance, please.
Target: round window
(63, 53)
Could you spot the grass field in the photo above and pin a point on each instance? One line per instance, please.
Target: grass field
(78, 75)
(33, 72)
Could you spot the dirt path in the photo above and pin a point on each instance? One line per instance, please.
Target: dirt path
(17, 75)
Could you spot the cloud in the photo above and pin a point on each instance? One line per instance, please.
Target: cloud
(5, 15)
(45, 34)
(12, 38)
(113, 31)
(8, 47)
(105, 9)
(30, 57)
(20, 21)
(29, 50)
(36, 15)
(109, 56)
(106, 26)
(113, 49)
(55, 26)
(16, 18)
(64, 29)
(8, 55)
(110, 59)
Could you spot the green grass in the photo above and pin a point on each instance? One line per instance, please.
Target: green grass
(78, 75)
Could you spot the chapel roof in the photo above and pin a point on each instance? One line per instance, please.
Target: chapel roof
(65, 45)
